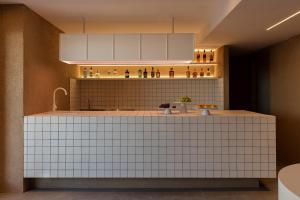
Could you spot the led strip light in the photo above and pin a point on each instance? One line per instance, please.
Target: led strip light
(284, 20)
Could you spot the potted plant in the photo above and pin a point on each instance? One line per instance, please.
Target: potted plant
(183, 101)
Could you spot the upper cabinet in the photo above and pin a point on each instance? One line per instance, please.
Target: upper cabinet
(73, 47)
(127, 47)
(153, 46)
(180, 46)
(100, 47)
(134, 48)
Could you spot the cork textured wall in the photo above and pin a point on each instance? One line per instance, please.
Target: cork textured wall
(11, 88)
(29, 72)
(43, 72)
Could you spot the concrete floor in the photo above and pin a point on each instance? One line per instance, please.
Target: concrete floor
(269, 192)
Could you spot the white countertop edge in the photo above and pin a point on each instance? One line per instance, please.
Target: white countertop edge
(214, 113)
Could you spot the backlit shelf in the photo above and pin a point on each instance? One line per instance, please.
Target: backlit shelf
(194, 63)
(146, 79)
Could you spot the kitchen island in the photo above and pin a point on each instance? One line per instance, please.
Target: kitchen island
(149, 144)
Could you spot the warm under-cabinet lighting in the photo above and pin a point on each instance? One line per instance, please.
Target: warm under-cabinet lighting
(127, 63)
(201, 50)
(284, 20)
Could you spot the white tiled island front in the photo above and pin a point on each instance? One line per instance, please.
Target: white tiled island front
(148, 144)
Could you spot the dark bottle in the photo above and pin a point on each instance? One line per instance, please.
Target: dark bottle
(140, 73)
(152, 73)
(208, 72)
(188, 72)
(171, 73)
(211, 56)
(85, 73)
(126, 73)
(195, 74)
(201, 72)
(157, 74)
(198, 56)
(145, 73)
(91, 74)
(204, 56)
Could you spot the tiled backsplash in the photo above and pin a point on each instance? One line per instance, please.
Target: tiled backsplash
(143, 94)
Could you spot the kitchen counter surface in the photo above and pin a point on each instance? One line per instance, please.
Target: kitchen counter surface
(191, 113)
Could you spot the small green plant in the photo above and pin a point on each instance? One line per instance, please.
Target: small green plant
(185, 99)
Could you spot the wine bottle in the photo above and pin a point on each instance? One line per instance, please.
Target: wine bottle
(91, 72)
(195, 74)
(201, 72)
(140, 73)
(204, 56)
(171, 73)
(211, 56)
(157, 74)
(208, 72)
(188, 73)
(85, 73)
(145, 73)
(198, 56)
(152, 73)
(126, 73)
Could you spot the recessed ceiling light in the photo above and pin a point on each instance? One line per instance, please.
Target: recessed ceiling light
(284, 20)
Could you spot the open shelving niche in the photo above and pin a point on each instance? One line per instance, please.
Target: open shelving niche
(135, 77)
(145, 79)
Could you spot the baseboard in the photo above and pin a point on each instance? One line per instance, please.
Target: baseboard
(144, 183)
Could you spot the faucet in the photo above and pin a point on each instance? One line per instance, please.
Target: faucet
(54, 106)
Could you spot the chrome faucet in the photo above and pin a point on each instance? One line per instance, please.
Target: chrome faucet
(54, 106)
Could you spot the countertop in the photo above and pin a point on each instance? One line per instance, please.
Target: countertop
(289, 180)
(190, 113)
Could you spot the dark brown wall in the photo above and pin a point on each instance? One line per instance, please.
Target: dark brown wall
(278, 69)
(268, 81)
(29, 71)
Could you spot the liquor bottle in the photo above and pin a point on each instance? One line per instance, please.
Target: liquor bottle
(201, 72)
(152, 73)
(198, 56)
(211, 56)
(145, 73)
(140, 73)
(97, 74)
(204, 56)
(157, 74)
(91, 72)
(85, 73)
(188, 72)
(171, 73)
(115, 72)
(195, 74)
(126, 73)
(208, 72)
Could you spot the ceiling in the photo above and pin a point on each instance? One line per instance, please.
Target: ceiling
(239, 23)
(198, 16)
(245, 27)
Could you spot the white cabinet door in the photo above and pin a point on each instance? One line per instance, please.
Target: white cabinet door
(180, 46)
(73, 47)
(100, 47)
(154, 46)
(127, 47)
